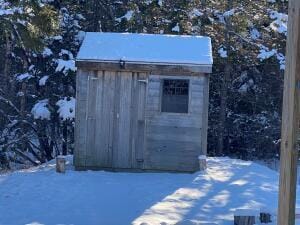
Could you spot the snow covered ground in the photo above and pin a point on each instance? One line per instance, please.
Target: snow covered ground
(41, 196)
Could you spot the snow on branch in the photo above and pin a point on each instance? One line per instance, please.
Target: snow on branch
(265, 53)
(195, 13)
(176, 28)
(223, 15)
(65, 66)
(7, 9)
(128, 16)
(40, 110)
(280, 22)
(43, 80)
(66, 108)
(254, 34)
(23, 76)
(222, 52)
(67, 53)
(47, 52)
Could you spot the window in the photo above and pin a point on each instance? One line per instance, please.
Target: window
(175, 96)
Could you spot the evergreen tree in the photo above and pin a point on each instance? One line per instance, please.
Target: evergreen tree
(39, 40)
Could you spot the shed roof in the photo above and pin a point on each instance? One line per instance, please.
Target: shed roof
(146, 49)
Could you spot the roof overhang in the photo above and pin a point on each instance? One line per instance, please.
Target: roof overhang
(152, 67)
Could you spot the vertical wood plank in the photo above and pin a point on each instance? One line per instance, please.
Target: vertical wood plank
(141, 120)
(91, 119)
(80, 122)
(290, 120)
(110, 96)
(117, 97)
(122, 150)
(197, 94)
(134, 121)
(100, 157)
(104, 118)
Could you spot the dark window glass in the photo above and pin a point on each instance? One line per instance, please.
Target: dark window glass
(175, 96)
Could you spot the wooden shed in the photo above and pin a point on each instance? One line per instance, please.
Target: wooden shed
(142, 102)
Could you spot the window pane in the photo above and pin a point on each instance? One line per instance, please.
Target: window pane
(175, 96)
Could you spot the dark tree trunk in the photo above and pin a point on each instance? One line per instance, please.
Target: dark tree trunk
(43, 140)
(7, 64)
(224, 87)
(65, 139)
(97, 12)
(204, 17)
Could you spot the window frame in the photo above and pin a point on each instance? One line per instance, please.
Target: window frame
(162, 80)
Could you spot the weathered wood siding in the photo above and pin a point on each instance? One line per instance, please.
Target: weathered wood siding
(119, 123)
(174, 141)
(110, 119)
(80, 119)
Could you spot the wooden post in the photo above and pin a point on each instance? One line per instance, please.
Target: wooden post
(244, 220)
(60, 164)
(202, 162)
(245, 217)
(265, 217)
(290, 117)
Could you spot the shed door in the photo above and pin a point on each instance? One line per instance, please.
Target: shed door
(101, 94)
(129, 120)
(116, 119)
(139, 122)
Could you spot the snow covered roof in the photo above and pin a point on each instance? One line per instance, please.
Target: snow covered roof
(146, 49)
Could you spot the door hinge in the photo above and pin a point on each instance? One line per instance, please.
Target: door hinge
(143, 81)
